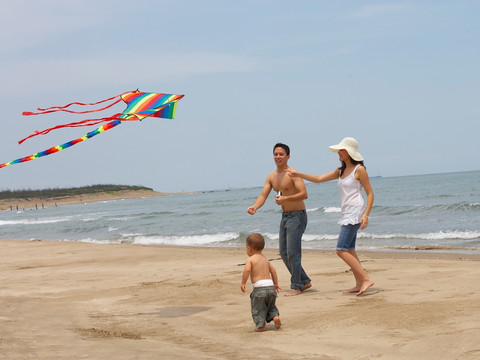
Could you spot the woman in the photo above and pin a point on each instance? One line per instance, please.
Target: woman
(351, 178)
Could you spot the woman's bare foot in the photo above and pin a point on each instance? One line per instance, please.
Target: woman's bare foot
(365, 286)
(277, 322)
(294, 292)
(261, 329)
(352, 290)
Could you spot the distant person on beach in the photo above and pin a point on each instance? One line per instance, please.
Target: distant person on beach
(265, 284)
(291, 192)
(351, 178)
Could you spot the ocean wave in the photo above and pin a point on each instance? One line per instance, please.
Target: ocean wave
(440, 235)
(465, 206)
(33, 221)
(426, 209)
(187, 240)
(432, 247)
(97, 241)
(319, 237)
(332, 209)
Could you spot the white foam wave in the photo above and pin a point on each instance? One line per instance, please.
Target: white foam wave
(32, 221)
(332, 209)
(96, 241)
(127, 235)
(189, 240)
(305, 237)
(319, 237)
(271, 236)
(440, 235)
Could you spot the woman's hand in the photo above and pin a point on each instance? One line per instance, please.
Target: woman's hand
(292, 172)
(363, 222)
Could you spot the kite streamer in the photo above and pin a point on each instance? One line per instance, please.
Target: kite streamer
(140, 105)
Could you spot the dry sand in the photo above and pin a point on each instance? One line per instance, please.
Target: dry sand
(67, 300)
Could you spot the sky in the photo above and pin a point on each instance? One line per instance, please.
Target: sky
(402, 77)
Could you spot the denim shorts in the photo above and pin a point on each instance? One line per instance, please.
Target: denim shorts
(347, 237)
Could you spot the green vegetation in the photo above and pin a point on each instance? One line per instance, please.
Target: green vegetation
(47, 193)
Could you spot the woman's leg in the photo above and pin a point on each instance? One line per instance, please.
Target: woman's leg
(346, 251)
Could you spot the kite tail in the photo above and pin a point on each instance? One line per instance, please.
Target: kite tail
(64, 108)
(89, 122)
(57, 148)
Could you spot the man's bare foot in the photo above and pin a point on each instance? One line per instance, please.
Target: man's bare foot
(306, 286)
(277, 322)
(352, 290)
(294, 292)
(261, 329)
(365, 286)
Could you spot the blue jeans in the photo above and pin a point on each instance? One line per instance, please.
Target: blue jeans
(292, 226)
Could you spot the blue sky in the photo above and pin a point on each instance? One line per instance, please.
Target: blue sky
(401, 77)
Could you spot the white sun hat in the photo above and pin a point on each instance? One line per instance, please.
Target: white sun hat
(349, 144)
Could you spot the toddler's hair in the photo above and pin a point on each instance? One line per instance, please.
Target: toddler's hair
(256, 242)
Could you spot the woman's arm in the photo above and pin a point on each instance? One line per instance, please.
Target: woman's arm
(333, 175)
(362, 176)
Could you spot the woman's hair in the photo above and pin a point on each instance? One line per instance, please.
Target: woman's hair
(354, 162)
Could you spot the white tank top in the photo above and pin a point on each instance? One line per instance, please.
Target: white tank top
(353, 204)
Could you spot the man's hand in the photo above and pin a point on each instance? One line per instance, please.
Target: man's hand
(279, 199)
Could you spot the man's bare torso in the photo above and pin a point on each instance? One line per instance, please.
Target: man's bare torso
(281, 181)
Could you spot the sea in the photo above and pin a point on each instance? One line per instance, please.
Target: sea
(427, 213)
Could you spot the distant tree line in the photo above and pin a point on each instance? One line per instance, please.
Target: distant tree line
(47, 193)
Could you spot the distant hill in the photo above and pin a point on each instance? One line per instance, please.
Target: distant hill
(60, 192)
(24, 199)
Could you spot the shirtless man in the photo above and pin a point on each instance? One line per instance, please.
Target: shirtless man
(291, 192)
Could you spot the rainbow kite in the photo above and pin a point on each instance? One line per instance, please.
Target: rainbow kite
(139, 106)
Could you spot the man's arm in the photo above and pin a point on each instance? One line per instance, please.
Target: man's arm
(267, 188)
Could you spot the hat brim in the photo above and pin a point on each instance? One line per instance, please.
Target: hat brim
(355, 155)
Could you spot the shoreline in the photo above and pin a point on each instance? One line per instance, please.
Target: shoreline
(437, 254)
(31, 203)
(123, 301)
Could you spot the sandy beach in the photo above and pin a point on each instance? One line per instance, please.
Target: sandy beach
(17, 204)
(67, 300)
